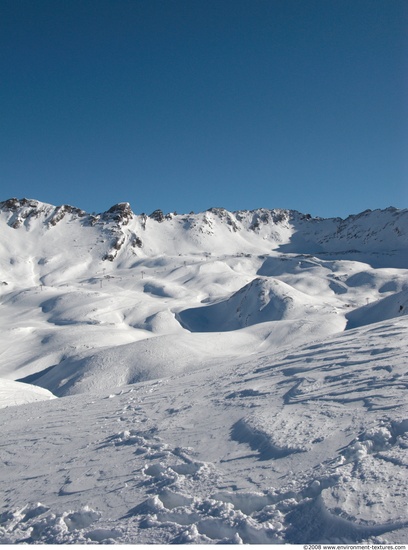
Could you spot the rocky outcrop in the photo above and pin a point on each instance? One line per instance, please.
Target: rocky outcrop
(120, 213)
(60, 212)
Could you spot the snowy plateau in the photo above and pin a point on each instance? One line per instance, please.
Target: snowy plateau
(220, 377)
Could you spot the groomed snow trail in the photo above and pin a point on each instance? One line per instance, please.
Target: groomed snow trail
(302, 446)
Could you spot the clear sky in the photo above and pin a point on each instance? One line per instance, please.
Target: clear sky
(187, 104)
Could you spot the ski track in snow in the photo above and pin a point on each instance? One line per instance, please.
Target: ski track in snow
(242, 395)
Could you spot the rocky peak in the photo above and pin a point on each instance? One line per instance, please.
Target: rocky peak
(120, 213)
(157, 215)
(22, 210)
(14, 204)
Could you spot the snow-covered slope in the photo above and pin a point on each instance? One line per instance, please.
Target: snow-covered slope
(308, 445)
(222, 376)
(17, 393)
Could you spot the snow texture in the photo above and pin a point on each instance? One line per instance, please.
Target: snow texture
(221, 377)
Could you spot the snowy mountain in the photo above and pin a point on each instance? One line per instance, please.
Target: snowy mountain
(220, 376)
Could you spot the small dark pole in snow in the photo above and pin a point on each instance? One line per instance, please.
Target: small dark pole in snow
(142, 274)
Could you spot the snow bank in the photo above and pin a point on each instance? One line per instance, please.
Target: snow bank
(16, 393)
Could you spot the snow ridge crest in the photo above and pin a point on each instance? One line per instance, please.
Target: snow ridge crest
(248, 231)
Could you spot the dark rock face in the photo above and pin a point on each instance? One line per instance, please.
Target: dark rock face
(136, 242)
(61, 211)
(120, 213)
(13, 204)
(157, 215)
(21, 210)
(264, 217)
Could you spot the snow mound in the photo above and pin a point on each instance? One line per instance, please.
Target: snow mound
(260, 301)
(37, 524)
(147, 359)
(118, 366)
(259, 435)
(16, 393)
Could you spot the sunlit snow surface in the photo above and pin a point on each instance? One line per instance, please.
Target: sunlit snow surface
(236, 378)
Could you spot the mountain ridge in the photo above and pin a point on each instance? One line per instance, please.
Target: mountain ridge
(36, 207)
(284, 230)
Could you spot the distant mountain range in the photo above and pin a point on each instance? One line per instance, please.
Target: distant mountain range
(119, 233)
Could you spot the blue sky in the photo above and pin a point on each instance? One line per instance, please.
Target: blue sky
(187, 104)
